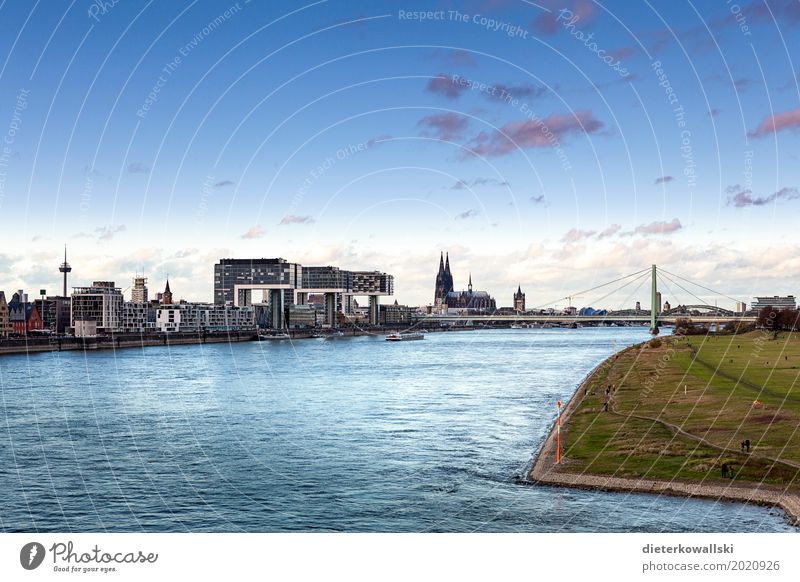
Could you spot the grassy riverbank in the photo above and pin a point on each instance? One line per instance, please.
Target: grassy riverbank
(679, 411)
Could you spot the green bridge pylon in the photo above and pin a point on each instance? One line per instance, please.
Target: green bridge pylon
(654, 307)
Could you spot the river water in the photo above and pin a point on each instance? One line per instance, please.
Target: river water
(346, 434)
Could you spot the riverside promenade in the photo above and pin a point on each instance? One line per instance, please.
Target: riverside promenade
(545, 471)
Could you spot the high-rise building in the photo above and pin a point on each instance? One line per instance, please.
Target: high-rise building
(519, 300)
(276, 285)
(139, 291)
(236, 279)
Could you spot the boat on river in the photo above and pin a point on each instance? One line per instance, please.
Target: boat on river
(404, 336)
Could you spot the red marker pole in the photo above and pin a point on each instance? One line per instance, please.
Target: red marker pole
(558, 434)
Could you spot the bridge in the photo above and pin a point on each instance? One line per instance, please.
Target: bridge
(699, 312)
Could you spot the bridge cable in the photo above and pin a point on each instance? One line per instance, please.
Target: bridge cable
(701, 286)
(590, 290)
(689, 292)
(642, 278)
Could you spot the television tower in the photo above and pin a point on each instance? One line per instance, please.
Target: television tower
(65, 268)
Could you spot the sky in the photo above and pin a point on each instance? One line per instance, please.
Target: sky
(554, 145)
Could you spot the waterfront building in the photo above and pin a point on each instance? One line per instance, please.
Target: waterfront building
(200, 317)
(5, 323)
(137, 317)
(658, 302)
(23, 316)
(55, 313)
(667, 307)
(139, 290)
(519, 300)
(236, 279)
(395, 314)
(101, 303)
(638, 306)
(283, 284)
(301, 317)
(741, 307)
(777, 302)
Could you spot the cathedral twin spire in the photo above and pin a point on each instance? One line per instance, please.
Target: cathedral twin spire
(444, 279)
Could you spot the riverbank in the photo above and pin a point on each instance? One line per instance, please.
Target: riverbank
(41, 344)
(678, 411)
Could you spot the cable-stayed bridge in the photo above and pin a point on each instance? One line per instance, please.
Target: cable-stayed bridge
(698, 311)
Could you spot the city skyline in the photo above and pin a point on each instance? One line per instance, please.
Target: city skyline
(446, 293)
(235, 134)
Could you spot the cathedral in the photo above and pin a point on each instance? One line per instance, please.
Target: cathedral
(445, 297)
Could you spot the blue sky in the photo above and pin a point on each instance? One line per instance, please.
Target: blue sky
(162, 136)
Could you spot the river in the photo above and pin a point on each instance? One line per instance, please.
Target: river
(345, 434)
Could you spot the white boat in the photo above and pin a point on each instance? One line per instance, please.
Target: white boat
(274, 336)
(404, 336)
(516, 326)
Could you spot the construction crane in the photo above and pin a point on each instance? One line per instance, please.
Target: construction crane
(571, 297)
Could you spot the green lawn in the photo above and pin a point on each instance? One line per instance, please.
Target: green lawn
(706, 385)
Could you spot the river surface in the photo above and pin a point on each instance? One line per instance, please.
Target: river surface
(346, 434)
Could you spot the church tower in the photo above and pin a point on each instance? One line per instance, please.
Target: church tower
(441, 282)
(166, 297)
(519, 300)
(448, 282)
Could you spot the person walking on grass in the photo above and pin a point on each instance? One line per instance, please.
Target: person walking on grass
(724, 469)
(747, 445)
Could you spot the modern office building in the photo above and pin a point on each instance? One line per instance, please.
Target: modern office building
(102, 303)
(55, 312)
(777, 302)
(236, 279)
(276, 285)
